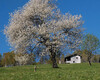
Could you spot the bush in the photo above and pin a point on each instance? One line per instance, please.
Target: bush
(8, 59)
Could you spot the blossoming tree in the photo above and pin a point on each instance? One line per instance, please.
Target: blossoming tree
(40, 23)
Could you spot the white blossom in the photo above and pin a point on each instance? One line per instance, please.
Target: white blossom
(23, 59)
(41, 22)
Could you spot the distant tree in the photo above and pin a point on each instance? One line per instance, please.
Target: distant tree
(43, 59)
(0, 56)
(8, 59)
(99, 59)
(0, 60)
(62, 59)
(90, 43)
(40, 23)
(95, 58)
(49, 61)
(24, 59)
(58, 56)
(84, 55)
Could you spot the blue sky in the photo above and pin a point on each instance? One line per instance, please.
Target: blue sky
(89, 9)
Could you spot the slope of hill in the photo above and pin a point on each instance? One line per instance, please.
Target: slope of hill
(46, 72)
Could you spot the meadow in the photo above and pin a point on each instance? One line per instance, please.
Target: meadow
(45, 72)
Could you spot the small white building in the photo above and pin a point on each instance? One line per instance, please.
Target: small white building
(74, 58)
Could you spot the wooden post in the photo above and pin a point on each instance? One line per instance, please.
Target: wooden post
(35, 67)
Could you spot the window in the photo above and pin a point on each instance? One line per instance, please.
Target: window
(76, 57)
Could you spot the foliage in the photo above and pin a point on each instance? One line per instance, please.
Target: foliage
(90, 43)
(0, 56)
(60, 59)
(59, 54)
(0, 60)
(24, 59)
(43, 59)
(96, 58)
(49, 61)
(8, 59)
(40, 24)
(45, 72)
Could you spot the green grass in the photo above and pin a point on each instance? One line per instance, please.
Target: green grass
(46, 72)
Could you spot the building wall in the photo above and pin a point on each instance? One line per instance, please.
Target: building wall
(74, 59)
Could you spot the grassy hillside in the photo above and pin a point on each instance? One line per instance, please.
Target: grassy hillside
(46, 72)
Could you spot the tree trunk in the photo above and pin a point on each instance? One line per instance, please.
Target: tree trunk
(89, 60)
(53, 58)
(90, 63)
